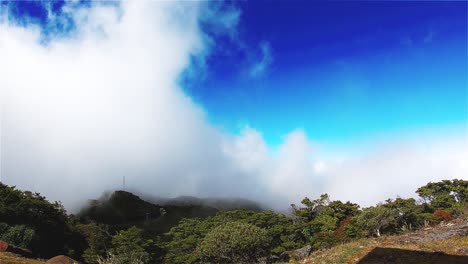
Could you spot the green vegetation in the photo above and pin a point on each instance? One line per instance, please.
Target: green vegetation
(234, 242)
(122, 228)
(34, 222)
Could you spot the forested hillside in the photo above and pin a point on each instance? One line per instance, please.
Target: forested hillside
(122, 228)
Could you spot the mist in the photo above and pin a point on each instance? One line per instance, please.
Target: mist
(81, 111)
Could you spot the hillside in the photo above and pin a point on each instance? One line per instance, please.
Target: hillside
(122, 209)
(124, 226)
(213, 202)
(445, 243)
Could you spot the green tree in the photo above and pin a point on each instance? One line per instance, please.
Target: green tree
(234, 242)
(374, 218)
(98, 241)
(445, 194)
(311, 208)
(408, 214)
(129, 246)
(49, 221)
(184, 238)
(283, 233)
(18, 235)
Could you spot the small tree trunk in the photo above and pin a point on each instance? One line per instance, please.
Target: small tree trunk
(377, 232)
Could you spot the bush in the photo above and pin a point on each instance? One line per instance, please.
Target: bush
(234, 242)
(441, 215)
(18, 235)
(34, 212)
(129, 246)
(116, 259)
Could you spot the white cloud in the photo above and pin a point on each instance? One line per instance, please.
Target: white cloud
(261, 66)
(83, 111)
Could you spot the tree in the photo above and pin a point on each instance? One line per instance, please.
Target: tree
(129, 246)
(98, 241)
(234, 242)
(49, 221)
(283, 233)
(445, 194)
(342, 210)
(460, 190)
(375, 218)
(184, 239)
(408, 214)
(18, 235)
(441, 215)
(311, 209)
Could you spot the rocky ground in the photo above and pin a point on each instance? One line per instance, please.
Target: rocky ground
(444, 243)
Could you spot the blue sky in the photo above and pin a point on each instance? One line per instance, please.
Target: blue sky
(341, 71)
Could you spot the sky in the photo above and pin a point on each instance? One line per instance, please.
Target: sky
(266, 100)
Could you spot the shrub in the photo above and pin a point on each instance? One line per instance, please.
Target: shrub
(234, 242)
(18, 235)
(129, 246)
(440, 215)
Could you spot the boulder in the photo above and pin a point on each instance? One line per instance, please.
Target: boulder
(61, 259)
(3, 246)
(297, 254)
(20, 251)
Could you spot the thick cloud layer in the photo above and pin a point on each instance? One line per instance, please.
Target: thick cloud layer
(82, 111)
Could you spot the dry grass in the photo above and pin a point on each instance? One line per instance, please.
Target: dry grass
(8, 258)
(352, 252)
(450, 246)
(450, 238)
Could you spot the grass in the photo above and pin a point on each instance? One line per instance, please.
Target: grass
(8, 258)
(450, 246)
(353, 251)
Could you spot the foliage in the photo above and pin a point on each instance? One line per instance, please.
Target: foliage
(18, 235)
(116, 259)
(120, 208)
(374, 218)
(318, 219)
(98, 241)
(122, 228)
(185, 237)
(129, 246)
(408, 214)
(49, 221)
(444, 194)
(234, 242)
(441, 215)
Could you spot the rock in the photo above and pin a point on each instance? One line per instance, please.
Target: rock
(463, 251)
(61, 259)
(297, 254)
(19, 251)
(3, 246)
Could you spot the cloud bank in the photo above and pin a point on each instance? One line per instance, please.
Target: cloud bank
(81, 111)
